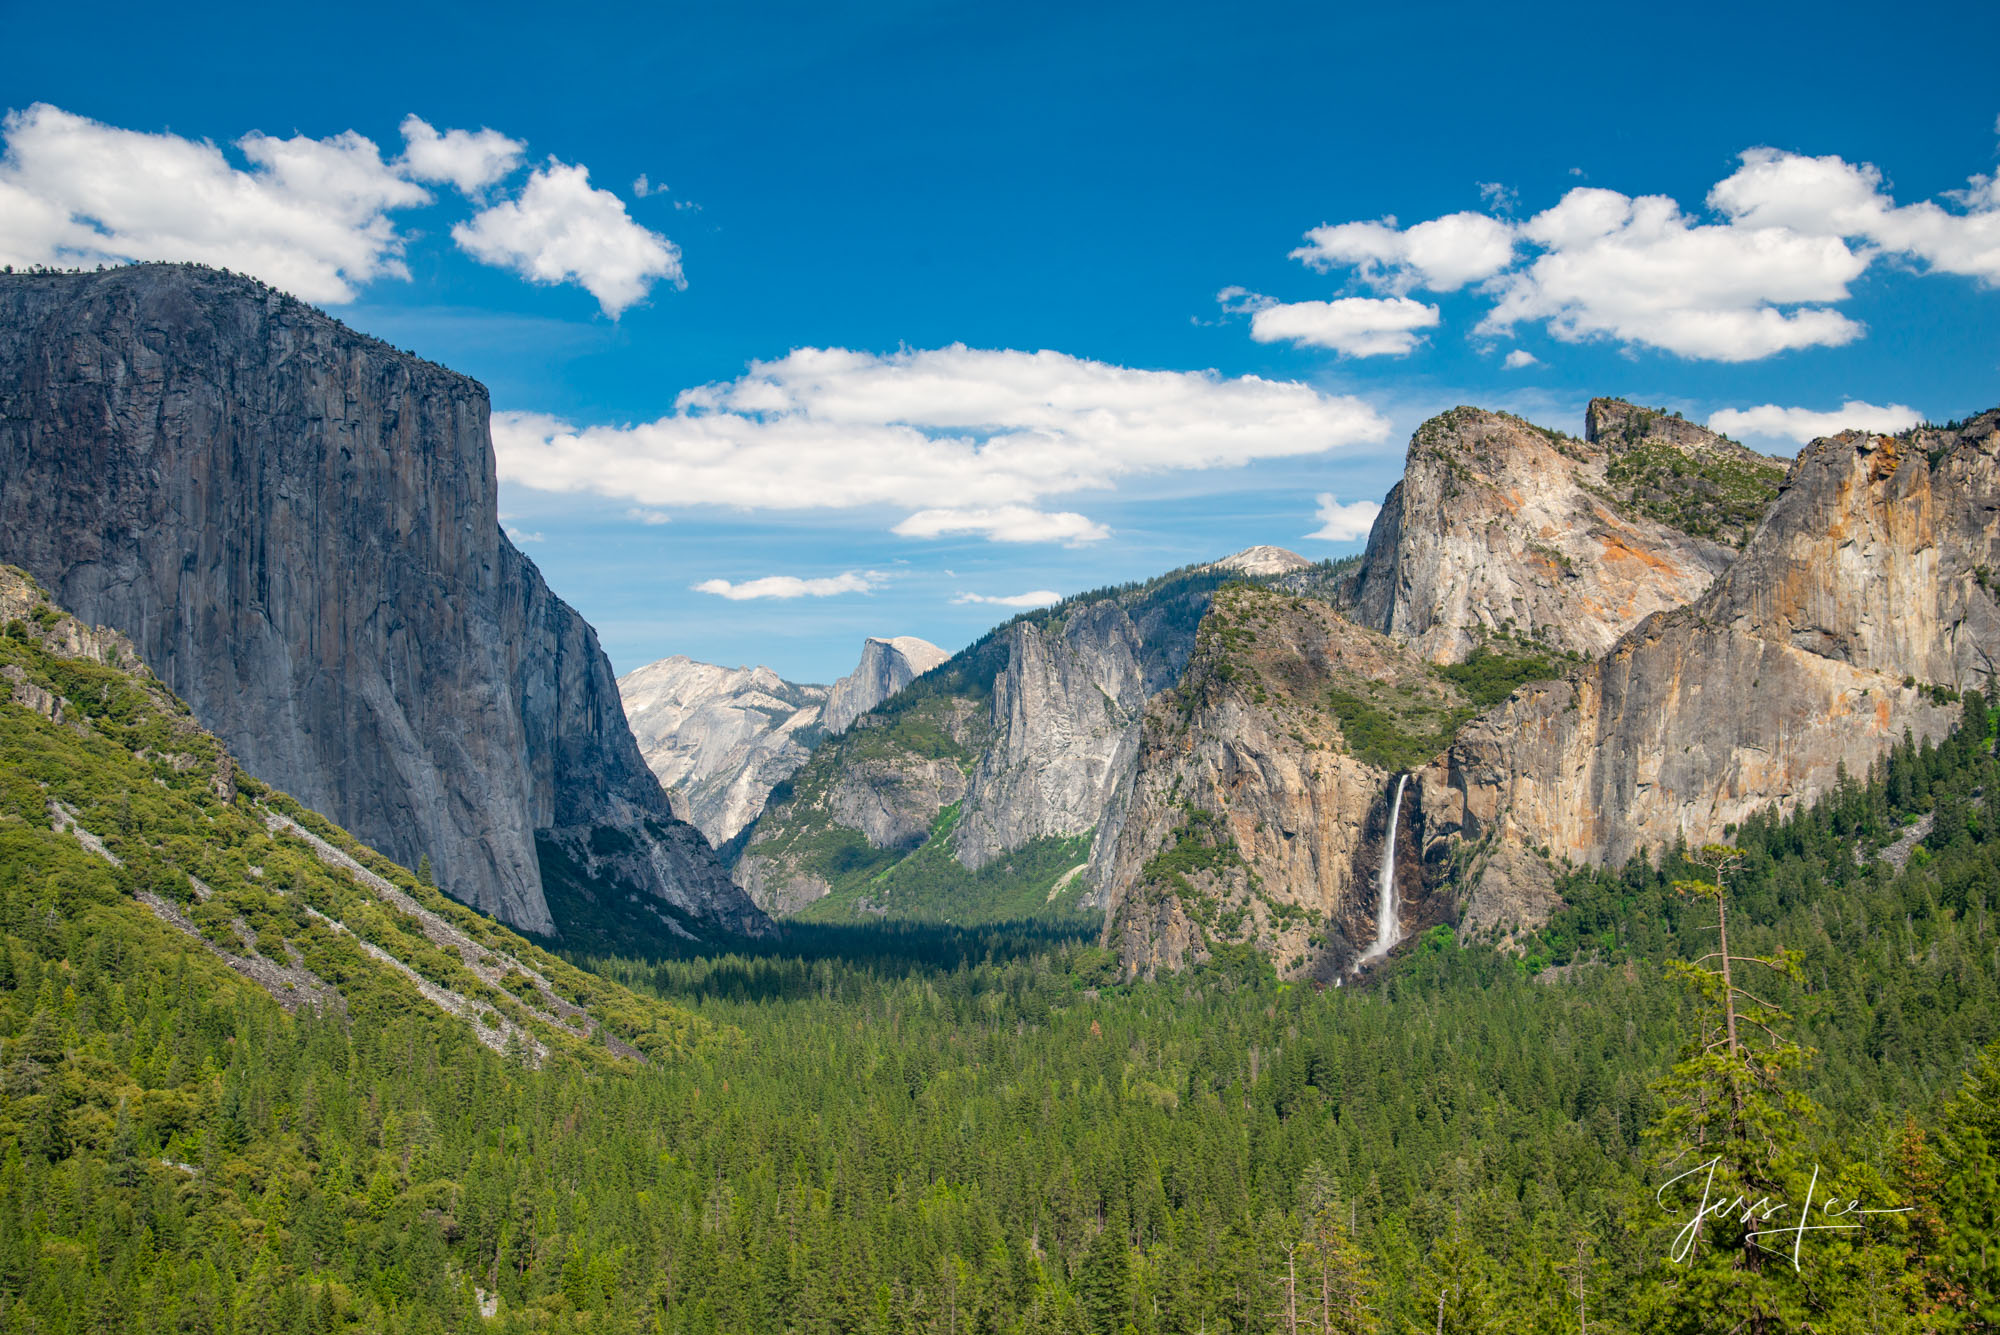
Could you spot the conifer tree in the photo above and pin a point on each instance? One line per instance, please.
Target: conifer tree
(1968, 1214)
(1731, 1129)
(1342, 1295)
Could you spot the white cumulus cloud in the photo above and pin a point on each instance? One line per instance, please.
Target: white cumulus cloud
(1829, 197)
(1442, 255)
(961, 439)
(469, 160)
(1005, 523)
(1800, 425)
(1519, 358)
(1354, 326)
(1039, 598)
(1343, 523)
(1763, 270)
(562, 229)
(312, 216)
(309, 215)
(1640, 271)
(792, 586)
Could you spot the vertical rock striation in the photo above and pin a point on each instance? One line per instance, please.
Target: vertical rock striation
(298, 527)
(1502, 527)
(1066, 714)
(1869, 582)
(1033, 730)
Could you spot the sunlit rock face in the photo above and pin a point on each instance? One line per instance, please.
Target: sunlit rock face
(1502, 527)
(1868, 582)
(1251, 819)
(720, 739)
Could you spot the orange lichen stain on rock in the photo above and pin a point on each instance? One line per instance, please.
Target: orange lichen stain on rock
(1599, 609)
(1842, 509)
(1618, 552)
(1792, 590)
(1882, 713)
(1888, 454)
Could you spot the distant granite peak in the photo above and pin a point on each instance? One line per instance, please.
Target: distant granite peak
(1261, 560)
(887, 666)
(720, 739)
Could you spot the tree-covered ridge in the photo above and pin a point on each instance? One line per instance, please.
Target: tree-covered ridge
(1714, 496)
(1667, 468)
(1036, 881)
(113, 792)
(800, 825)
(1008, 1143)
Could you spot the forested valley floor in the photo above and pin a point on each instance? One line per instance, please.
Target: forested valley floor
(925, 1129)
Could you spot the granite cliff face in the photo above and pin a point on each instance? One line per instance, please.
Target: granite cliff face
(1499, 526)
(886, 666)
(1252, 819)
(1066, 713)
(297, 526)
(1860, 597)
(863, 801)
(1869, 581)
(1022, 741)
(720, 739)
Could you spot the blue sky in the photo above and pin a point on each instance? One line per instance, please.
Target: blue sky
(897, 179)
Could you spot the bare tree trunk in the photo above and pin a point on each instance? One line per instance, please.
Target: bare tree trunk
(1291, 1291)
(1581, 1327)
(1728, 987)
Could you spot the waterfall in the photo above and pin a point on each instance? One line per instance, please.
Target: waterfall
(1388, 928)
